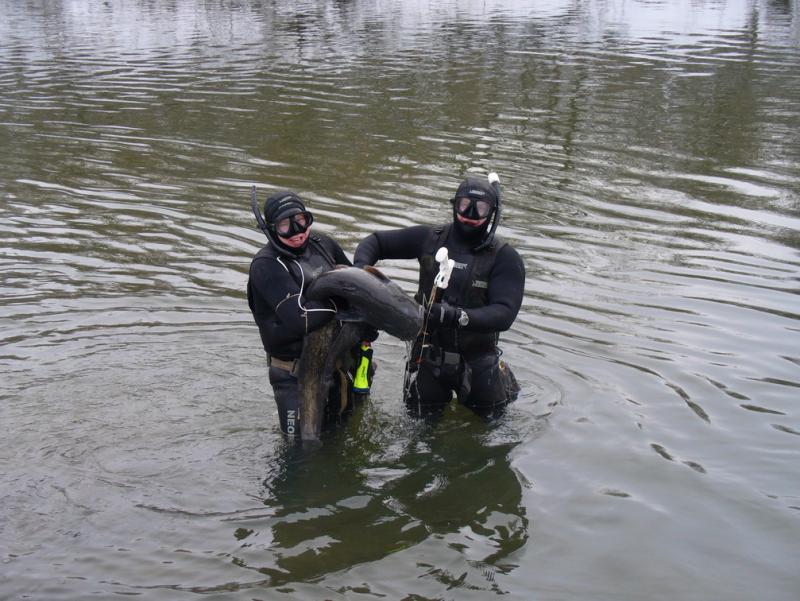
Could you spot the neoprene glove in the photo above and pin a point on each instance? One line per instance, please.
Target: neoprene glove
(370, 334)
(442, 315)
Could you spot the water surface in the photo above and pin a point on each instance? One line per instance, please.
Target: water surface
(650, 160)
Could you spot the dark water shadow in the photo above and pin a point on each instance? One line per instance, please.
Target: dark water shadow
(373, 489)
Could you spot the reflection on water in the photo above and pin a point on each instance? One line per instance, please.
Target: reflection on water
(364, 496)
(649, 156)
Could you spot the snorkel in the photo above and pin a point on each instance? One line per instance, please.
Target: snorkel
(494, 181)
(262, 225)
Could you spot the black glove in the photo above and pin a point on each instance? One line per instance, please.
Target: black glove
(369, 334)
(442, 315)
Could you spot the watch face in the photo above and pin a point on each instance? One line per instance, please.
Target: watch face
(463, 319)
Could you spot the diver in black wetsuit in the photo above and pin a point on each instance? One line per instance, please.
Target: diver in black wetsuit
(278, 274)
(458, 352)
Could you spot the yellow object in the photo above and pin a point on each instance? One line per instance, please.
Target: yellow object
(361, 381)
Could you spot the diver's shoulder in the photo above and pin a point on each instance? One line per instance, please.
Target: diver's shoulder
(326, 239)
(329, 243)
(508, 258)
(267, 251)
(504, 249)
(265, 258)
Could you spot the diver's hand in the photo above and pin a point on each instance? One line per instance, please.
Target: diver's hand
(442, 315)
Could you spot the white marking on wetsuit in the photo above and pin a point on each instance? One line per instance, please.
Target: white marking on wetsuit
(278, 259)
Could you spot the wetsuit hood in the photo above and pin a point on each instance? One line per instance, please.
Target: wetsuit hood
(475, 189)
(279, 206)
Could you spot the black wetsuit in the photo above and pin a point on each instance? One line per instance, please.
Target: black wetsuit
(488, 285)
(284, 316)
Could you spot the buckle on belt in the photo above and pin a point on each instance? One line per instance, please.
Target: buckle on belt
(290, 366)
(439, 357)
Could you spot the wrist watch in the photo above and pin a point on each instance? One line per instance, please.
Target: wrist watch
(463, 318)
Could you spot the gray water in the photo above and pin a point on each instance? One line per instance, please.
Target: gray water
(650, 160)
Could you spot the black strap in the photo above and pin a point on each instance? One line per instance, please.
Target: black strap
(438, 356)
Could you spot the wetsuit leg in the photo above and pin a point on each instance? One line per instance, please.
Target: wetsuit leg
(429, 392)
(493, 385)
(287, 398)
(286, 390)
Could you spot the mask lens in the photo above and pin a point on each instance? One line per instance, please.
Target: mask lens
(473, 209)
(283, 226)
(301, 220)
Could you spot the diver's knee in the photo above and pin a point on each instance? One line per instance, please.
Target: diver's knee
(492, 387)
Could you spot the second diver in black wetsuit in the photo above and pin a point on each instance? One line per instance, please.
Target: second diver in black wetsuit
(458, 352)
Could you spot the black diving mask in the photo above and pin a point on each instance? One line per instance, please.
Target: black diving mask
(294, 224)
(473, 208)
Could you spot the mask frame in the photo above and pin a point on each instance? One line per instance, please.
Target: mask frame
(292, 226)
(475, 208)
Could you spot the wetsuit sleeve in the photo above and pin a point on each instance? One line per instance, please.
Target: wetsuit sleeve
(505, 291)
(405, 243)
(279, 290)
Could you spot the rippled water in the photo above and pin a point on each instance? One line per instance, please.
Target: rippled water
(650, 158)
